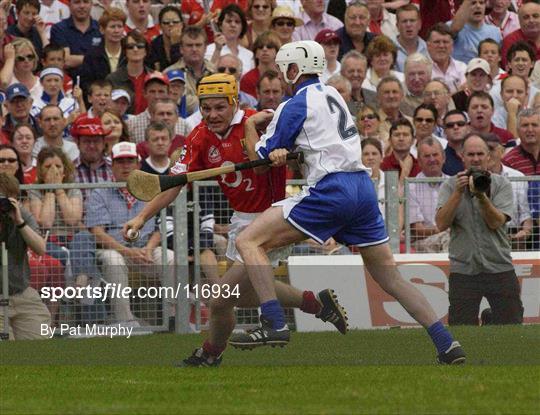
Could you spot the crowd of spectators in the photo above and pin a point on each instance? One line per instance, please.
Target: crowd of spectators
(78, 78)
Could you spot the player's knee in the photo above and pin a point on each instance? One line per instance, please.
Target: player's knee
(243, 242)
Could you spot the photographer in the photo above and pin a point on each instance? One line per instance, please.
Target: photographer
(476, 206)
(18, 231)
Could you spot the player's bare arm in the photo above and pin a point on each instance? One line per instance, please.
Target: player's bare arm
(256, 123)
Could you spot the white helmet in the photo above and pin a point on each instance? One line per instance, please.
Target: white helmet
(307, 54)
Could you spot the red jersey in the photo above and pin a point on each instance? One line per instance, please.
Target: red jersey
(246, 191)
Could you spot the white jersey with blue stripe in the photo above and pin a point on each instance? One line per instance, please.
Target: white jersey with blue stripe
(317, 122)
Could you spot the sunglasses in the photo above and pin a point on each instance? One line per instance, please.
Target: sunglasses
(7, 160)
(287, 23)
(424, 120)
(170, 22)
(269, 46)
(261, 6)
(453, 124)
(28, 58)
(368, 117)
(132, 46)
(223, 69)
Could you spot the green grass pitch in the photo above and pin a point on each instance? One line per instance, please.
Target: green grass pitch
(379, 371)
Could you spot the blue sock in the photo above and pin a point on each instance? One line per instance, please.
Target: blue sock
(441, 336)
(272, 311)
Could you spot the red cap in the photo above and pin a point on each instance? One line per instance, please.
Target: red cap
(85, 126)
(327, 36)
(156, 76)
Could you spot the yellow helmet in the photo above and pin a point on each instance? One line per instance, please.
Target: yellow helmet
(219, 85)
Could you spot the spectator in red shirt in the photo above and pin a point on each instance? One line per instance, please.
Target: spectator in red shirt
(529, 21)
(265, 49)
(139, 18)
(436, 11)
(480, 109)
(526, 156)
(401, 142)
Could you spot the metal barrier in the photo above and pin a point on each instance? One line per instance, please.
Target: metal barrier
(420, 203)
(153, 314)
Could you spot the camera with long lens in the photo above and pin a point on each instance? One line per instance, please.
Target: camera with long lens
(5, 206)
(481, 179)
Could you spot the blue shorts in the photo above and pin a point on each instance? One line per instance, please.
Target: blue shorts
(342, 205)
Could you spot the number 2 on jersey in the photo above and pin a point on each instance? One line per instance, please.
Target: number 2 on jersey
(344, 132)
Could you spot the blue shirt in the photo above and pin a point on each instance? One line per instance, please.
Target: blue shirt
(468, 38)
(108, 208)
(452, 164)
(402, 53)
(64, 33)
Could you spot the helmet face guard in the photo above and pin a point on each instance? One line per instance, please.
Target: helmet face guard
(306, 54)
(218, 86)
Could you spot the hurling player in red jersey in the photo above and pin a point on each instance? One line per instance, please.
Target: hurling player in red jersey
(218, 140)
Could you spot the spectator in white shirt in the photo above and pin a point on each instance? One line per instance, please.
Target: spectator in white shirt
(52, 11)
(315, 19)
(440, 46)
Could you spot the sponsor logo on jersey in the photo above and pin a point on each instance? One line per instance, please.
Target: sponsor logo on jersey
(213, 155)
(178, 168)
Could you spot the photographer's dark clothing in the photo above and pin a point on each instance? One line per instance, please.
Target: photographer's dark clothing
(480, 261)
(501, 290)
(18, 267)
(474, 247)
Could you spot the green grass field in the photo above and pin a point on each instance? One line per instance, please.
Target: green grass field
(382, 371)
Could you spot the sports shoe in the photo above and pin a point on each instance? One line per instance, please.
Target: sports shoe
(453, 356)
(486, 317)
(332, 311)
(264, 335)
(200, 358)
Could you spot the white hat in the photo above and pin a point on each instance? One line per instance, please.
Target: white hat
(124, 149)
(120, 93)
(478, 63)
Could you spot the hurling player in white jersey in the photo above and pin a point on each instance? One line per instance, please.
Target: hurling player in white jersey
(339, 200)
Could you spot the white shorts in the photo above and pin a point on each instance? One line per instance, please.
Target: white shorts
(240, 221)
